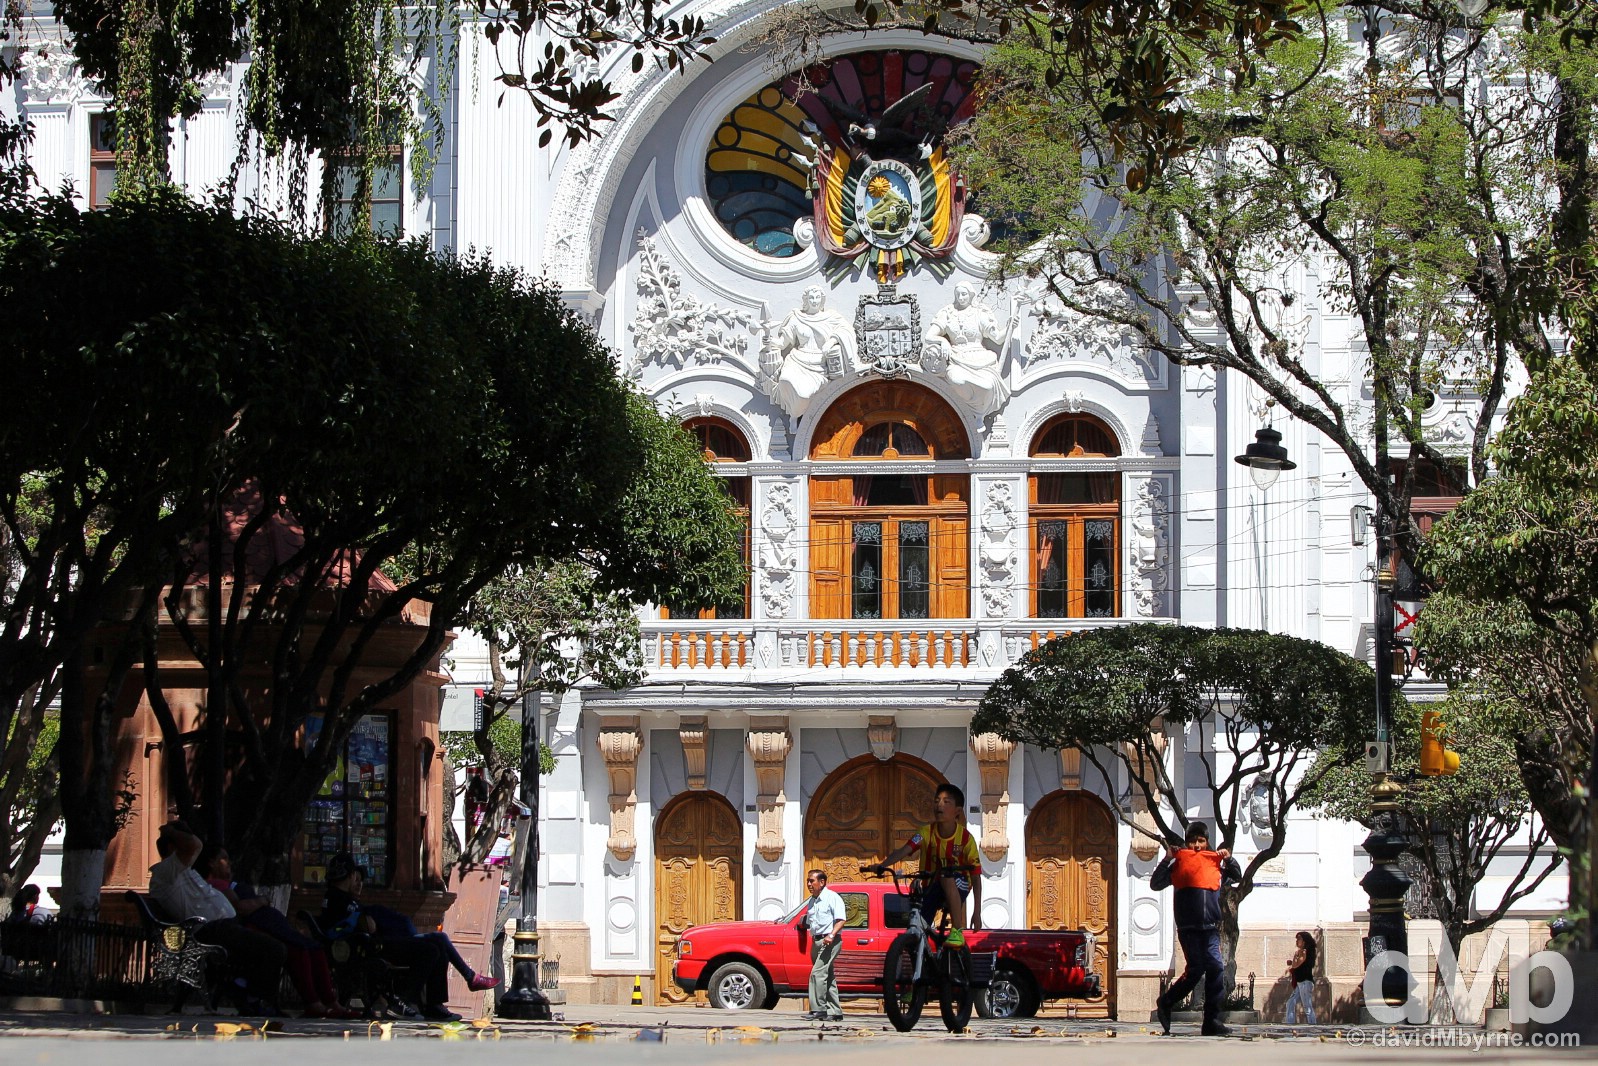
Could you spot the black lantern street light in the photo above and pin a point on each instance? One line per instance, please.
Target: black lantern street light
(1265, 459)
(524, 1000)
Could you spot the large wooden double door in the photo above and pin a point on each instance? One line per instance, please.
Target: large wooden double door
(1070, 847)
(698, 863)
(865, 809)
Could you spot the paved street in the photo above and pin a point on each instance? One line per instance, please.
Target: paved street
(610, 1036)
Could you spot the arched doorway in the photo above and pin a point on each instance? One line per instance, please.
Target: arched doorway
(864, 809)
(1070, 848)
(698, 850)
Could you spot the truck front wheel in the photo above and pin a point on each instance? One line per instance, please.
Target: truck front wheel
(1011, 994)
(736, 986)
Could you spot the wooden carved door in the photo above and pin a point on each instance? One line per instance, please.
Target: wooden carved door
(1070, 847)
(865, 809)
(698, 848)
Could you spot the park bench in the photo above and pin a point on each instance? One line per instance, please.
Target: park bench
(178, 962)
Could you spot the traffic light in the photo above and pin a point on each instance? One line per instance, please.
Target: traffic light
(1435, 758)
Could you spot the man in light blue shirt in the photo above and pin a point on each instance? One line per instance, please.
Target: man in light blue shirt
(825, 920)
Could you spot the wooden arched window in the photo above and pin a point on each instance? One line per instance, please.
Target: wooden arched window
(893, 542)
(1075, 520)
(723, 442)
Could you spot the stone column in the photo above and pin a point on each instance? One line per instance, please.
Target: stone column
(993, 769)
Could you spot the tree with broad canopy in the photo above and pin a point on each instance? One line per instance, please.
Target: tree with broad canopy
(1264, 719)
(339, 431)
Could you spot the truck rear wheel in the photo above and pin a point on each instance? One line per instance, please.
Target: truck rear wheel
(1011, 994)
(736, 986)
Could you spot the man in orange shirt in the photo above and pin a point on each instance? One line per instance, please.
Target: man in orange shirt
(1196, 873)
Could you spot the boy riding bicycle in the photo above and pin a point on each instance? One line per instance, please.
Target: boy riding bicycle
(947, 848)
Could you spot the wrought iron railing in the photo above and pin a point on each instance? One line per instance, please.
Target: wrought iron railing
(74, 958)
(549, 975)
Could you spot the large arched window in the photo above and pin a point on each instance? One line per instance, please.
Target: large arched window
(1075, 522)
(722, 442)
(889, 542)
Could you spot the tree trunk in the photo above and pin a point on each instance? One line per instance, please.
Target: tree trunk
(82, 874)
(1229, 937)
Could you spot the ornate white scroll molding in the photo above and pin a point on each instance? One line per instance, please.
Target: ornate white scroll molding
(882, 730)
(998, 550)
(694, 733)
(52, 77)
(1149, 548)
(779, 522)
(993, 768)
(620, 743)
(1061, 334)
(769, 743)
(671, 329)
(1145, 844)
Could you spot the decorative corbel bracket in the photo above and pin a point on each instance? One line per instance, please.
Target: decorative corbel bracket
(1071, 769)
(1145, 844)
(769, 743)
(694, 733)
(993, 767)
(882, 730)
(620, 743)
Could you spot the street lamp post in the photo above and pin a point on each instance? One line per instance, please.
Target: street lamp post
(1385, 883)
(524, 1000)
(1265, 459)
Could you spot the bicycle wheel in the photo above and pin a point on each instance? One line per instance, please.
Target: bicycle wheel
(902, 996)
(954, 992)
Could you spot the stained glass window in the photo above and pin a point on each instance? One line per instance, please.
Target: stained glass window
(757, 163)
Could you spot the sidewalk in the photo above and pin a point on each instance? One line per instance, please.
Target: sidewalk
(620, 1033)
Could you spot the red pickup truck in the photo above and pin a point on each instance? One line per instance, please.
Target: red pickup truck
(752, 964)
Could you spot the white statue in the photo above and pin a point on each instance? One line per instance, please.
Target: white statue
(802, 352)
(957, 347)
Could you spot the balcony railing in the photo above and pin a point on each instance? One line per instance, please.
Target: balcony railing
(935, 644)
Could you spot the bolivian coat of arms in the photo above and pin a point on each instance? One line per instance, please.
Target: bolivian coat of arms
(885, 197)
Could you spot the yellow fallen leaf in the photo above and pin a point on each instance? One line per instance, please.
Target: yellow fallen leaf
(385, 1030)
(229, 1028)
(482, 1023)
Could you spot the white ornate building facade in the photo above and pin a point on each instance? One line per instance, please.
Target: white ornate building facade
(937, 475)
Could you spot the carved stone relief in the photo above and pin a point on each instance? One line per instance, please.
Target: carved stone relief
(695, 734)
(50, 75)
(670, 329)
(882, 731)
(1150, 549)
(620, 743)
(769, 744)
(1062, 333)
(993, 767)
(998, 556)
(778, 524)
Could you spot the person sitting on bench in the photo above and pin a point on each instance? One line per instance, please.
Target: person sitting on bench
(179, 890)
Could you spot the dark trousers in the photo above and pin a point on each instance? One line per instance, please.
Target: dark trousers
(252, 954)
(425, 965)
(1202, 949)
